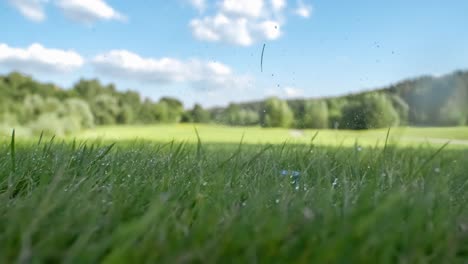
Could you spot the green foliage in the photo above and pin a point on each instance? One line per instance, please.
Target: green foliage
(402, 109)
(426, 101)
(369, 111)
(276, 113)
(450, 115)
(105, 109)
(126, 115)
(234, 115)
(175, 109)
(335, 111)
(200, 115)
(161, 111)
(33, 106)
(316, 114)
(80, 111)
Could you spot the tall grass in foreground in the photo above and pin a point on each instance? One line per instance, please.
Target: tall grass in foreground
(140, 202)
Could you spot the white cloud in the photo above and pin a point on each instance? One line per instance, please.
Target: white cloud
(303, 10)
(240, 22)
(85, 11)
(200, 74)
(278, 5)
(200, 5)
(222, 28)
(293, 92)
(243, 8)
(37, 58)
(31, 9)
(88, 11)
(268, 29)
(287, 92)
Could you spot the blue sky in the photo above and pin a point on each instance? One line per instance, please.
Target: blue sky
(209, 51)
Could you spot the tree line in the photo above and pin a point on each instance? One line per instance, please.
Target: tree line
(46, 108)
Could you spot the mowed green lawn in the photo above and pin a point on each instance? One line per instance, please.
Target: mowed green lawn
(255, 135)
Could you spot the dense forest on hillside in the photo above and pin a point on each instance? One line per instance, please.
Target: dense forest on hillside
(43, 107)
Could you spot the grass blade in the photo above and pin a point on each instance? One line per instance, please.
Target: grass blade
(13, 152)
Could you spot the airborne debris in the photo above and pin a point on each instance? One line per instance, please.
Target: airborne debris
(261, 59)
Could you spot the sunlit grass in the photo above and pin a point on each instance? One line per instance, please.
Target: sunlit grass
(255, 135)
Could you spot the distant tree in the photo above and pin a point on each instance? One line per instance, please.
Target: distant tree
(147, 113)
(33, 106)
(187, 117)
(450, 115)
(335, 114)
(369, 111)
(126, 114)
(234, 115)
(79, 111)
(52, 104)
(249, 117)
(200, 115)
(297, 106)
(434, 101)
(161, 111)
(89, 89)
(402, 109)
(105, 109)
(175, 109)
(277, 113)
(316, 114)
(49, 124)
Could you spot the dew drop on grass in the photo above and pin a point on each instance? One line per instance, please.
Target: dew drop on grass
(277, 201)
(308, 214)
(335, 182)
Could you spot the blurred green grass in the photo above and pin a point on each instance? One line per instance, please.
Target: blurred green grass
(150, 202)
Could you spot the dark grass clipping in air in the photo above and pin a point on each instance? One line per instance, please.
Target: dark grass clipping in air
(261, 59)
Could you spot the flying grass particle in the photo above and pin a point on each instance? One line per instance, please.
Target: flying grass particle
(261, 59)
